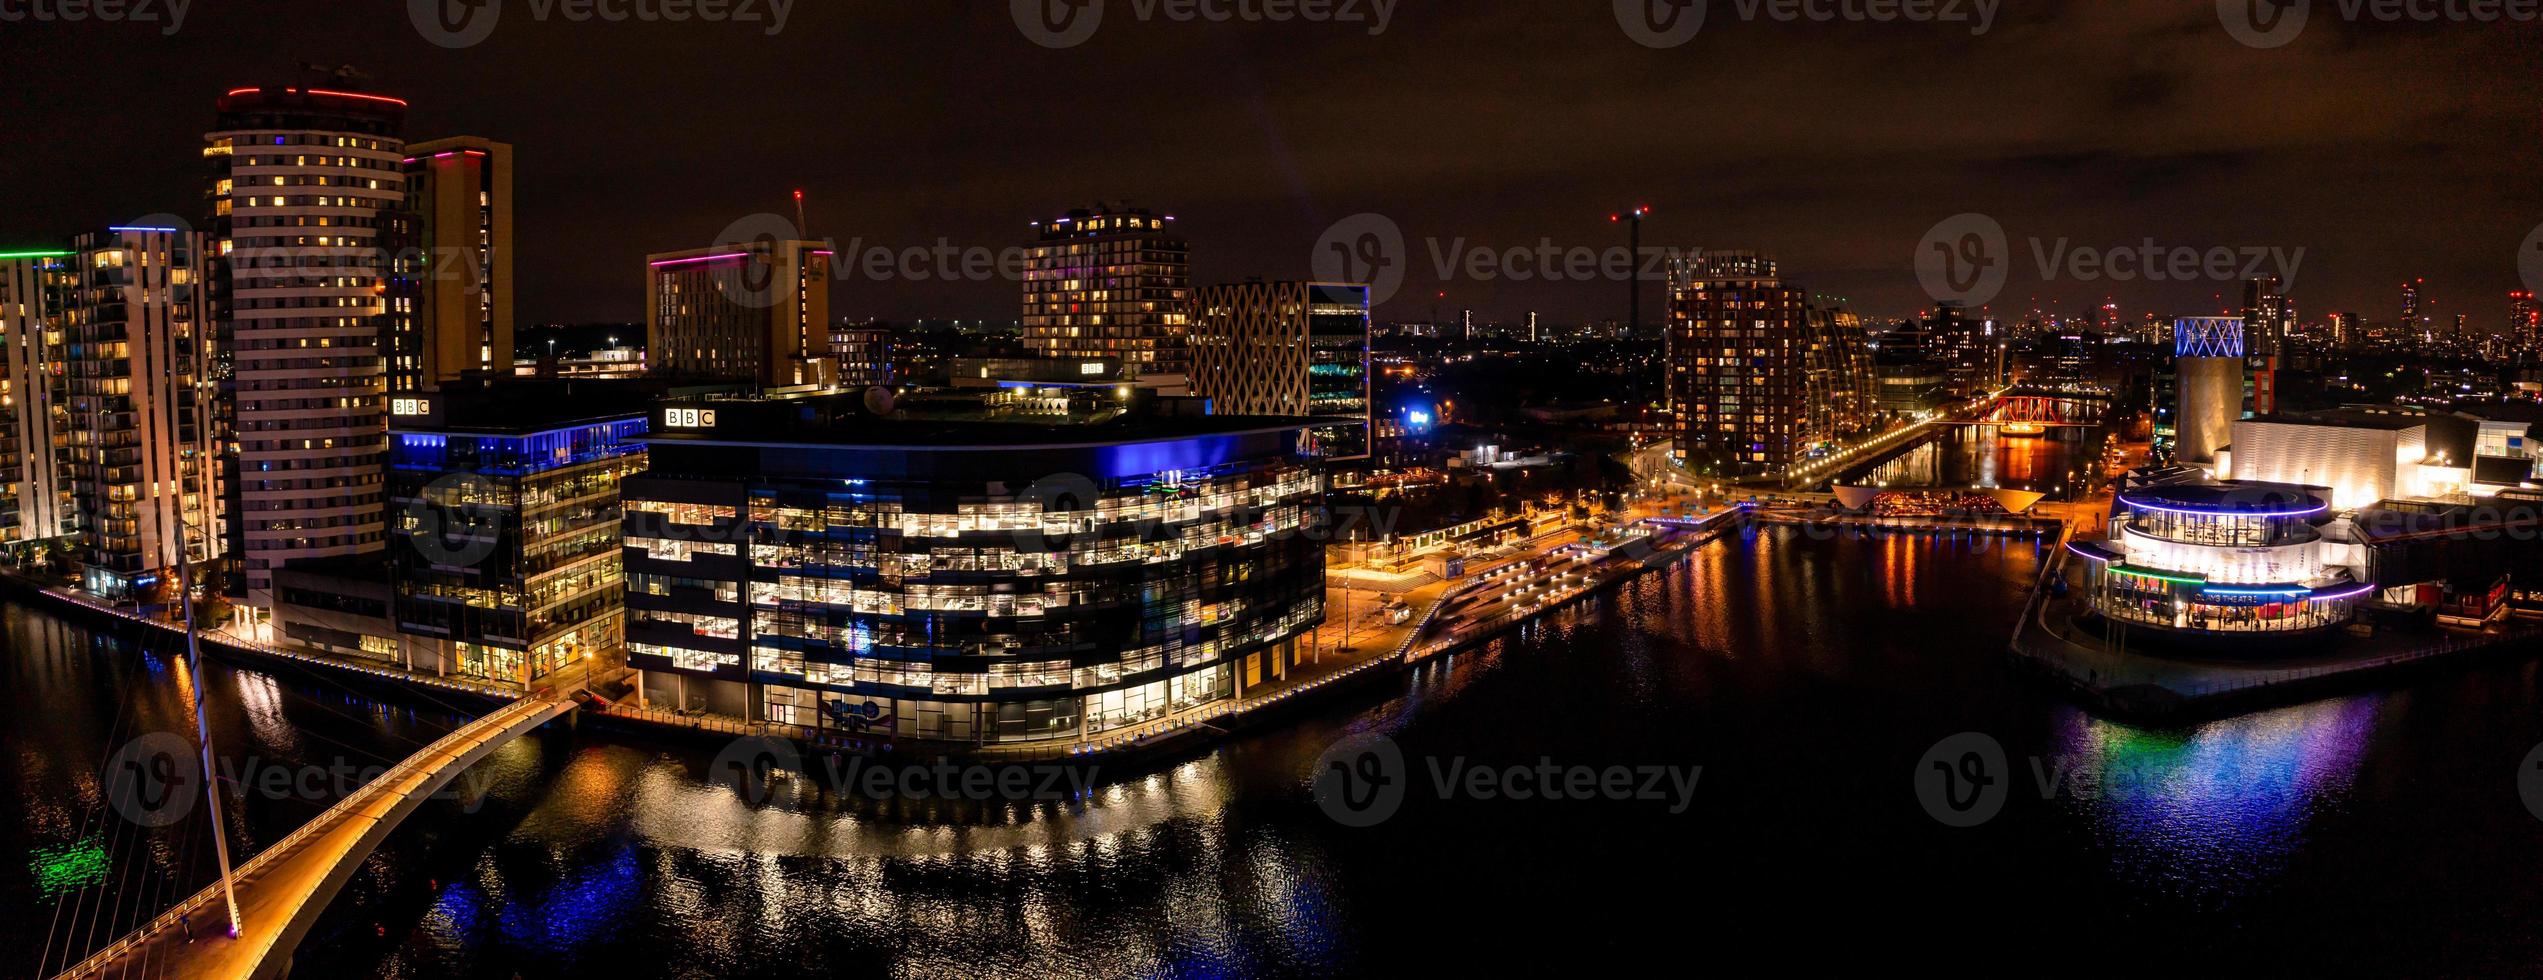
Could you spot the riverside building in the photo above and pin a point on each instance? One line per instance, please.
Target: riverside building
(137, 389)
(303, 181)
(35, 494)
(2203, 560)
(1761, 376)
(504, 514)
(953, 572)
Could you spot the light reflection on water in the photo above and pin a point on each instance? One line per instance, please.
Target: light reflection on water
(2206, 811)
(1978, 456)
(1806, 672)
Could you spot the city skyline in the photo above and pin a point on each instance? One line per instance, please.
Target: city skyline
(487, 487)
(2330, 144)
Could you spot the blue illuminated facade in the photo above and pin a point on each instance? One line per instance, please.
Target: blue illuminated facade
(986, 584)
(506, 542)
(2223, 560)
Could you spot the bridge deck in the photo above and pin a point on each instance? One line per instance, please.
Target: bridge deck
(282, 889)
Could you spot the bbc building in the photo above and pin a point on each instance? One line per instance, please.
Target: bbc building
(1032, 567)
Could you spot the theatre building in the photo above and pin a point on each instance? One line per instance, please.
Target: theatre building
(2233, 561)
(979, 570)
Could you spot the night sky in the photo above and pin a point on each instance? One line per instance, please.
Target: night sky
(2384, 151)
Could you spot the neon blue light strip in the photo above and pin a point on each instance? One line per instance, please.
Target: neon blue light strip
(2317, 509)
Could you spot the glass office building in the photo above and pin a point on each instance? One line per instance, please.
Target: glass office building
(504, 521)
(958, 576)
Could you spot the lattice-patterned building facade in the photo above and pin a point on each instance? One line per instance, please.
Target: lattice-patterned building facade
(1288, 348)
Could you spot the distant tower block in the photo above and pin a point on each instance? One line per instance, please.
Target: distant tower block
(2208, 352)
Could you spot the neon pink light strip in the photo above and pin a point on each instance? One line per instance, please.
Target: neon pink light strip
(701, 258)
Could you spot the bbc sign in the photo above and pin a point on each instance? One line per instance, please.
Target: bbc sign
(688, 418)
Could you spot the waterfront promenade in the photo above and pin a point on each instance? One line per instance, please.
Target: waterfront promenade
(232, 644)
(1356, 644)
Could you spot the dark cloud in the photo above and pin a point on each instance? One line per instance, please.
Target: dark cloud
(2385, 151)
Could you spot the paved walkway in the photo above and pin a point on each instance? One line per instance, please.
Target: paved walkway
(226, 637)
(282, 890)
